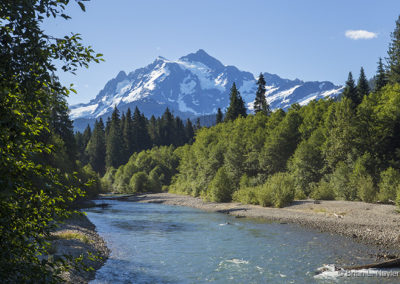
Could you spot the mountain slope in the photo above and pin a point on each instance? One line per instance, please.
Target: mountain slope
(194, 85)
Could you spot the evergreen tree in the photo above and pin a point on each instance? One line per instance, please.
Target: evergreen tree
(260, 103)
(220, 116)
(128, 135)
(198, 123)
(167, 128)
(97, 147)
(141, 138)
(179, 133)
(114, 141)
(82, 139)
(350, 90)
(189, 131)
(380, 76)
(393, 59)
(153, 129)
(236, 105)
(362, 87)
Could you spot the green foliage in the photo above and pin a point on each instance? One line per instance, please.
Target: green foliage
(362, 86)
(388, 185)
(366, 188)
(278, 191)
(221, 187)
(323, 190)
(159, 164)
(341, 183)
(220, 116)
(260, 102)
(38, 179)
(393, 60)
(380, 77)
(236, 106)
(350, 91)
(139, 182)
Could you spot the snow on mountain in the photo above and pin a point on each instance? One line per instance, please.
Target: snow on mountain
(194, 85)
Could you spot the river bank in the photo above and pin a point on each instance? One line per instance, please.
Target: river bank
(78, 236)
(375, 224)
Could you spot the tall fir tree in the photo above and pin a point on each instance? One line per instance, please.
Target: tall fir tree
(141, 138)
(350, 90)
(236, 105)
(220, 116)
(198, 123)
(96, 148)
(260, 103)
(393, 59)
(153, 129)
(362, 86)
(380, 77)
(189, 131)
(128, 135)
(114, 141)
(167, 128)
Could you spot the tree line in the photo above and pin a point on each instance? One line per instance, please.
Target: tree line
(111, 145)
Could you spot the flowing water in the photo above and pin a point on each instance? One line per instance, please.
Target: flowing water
(156, 243)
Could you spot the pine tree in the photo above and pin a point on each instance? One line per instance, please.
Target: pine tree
(220, 116)
(260, 103)
(393, 59)
(97, 147)
(114, 141)
(350, 90)
(236, 105)
(362, 87)
(380, 76)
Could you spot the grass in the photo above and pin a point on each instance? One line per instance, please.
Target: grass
(73, 236)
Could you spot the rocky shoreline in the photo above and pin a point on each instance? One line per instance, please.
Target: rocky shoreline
(374, 224)
(75, 237)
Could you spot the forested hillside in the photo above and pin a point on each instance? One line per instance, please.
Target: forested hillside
(346, 149)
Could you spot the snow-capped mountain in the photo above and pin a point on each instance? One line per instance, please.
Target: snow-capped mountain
(194, 85)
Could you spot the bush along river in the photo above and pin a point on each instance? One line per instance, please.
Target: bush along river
(157, 243)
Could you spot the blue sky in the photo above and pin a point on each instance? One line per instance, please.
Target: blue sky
(295, 39)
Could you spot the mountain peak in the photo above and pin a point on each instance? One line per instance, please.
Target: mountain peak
(203, 57)
(121, 75)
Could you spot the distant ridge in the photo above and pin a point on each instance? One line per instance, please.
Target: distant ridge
(194, 85)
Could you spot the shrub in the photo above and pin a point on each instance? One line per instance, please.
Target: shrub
(221, 187)
(246, 195)
(366, 188)
(139, 182)
(264, 195)
(390, 181)
(323, 191)
(282, 187)
(340, 181)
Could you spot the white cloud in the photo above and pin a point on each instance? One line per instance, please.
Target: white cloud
(360, 34)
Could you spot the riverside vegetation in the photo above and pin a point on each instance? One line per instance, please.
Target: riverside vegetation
(40, 176)
(346, 149)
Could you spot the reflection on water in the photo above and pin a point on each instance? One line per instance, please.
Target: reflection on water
(156, 243)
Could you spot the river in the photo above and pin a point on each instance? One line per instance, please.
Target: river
(156, 243)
